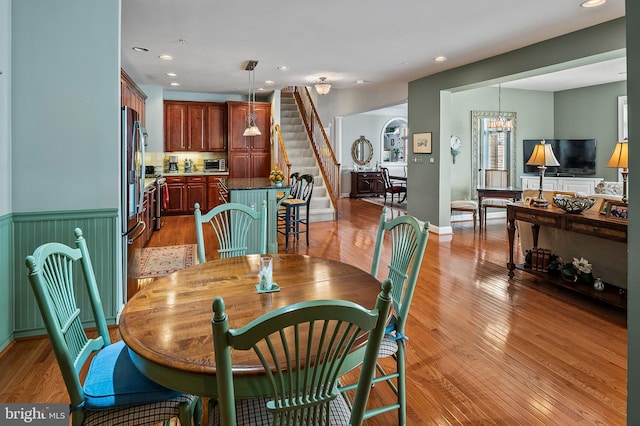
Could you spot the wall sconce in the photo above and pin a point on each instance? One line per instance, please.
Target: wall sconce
(543, 157)
(620, 159)
(323, 86)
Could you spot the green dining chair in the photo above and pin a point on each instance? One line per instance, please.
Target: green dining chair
(303, 348)
(407, 243)
(114, 391)
(232, 223)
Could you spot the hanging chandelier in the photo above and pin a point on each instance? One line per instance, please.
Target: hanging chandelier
(499, 124)
(323, 86)
(252, 128)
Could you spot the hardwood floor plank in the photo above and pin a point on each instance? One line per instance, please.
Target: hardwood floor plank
(482, 349)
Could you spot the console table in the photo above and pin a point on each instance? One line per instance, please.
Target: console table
(366, 184)
(590, 223)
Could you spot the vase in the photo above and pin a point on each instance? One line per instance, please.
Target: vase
(278, 184)
(598, 285)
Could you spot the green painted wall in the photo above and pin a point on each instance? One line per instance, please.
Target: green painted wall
(6, 281)
(633, 305)
(591, 112)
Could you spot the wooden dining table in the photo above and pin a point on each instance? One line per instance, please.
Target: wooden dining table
(167, 325)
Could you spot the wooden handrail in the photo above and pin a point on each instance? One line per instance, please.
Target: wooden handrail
(329, 166)
(283, 159)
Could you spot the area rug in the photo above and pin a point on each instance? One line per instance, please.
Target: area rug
(159, 261)
(380, 202)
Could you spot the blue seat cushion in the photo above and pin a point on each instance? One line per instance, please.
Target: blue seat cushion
(114, 382)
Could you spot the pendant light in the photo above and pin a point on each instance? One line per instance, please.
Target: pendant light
(252, 128)
(499, 124)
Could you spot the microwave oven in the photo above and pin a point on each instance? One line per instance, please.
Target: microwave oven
(215, 165)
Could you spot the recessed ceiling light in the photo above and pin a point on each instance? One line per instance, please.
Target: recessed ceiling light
(269, 82)
(166, 57)
(440, 58)
(359, 81)
(140, 49)
(175, 84)
(261, 89)
(171, 74)
(592, 3)
(283, 68)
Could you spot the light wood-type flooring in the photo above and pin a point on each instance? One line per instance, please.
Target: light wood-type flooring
(482, 349)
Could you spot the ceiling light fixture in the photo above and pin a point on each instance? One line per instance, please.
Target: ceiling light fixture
(592, 3)
(171, 74)
(166, 57)
(323, 86)
(140, 49)
(499, 124)
(440, 58)
(252, 128)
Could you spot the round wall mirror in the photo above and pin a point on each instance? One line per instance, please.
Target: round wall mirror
(361, 151)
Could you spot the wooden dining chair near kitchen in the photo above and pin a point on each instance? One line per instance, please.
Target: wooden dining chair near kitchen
(232, 223)
(114, 391)
(293, 216)
(303, 349)
(406, 241)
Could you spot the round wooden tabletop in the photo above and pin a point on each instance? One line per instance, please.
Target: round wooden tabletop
(167, 325)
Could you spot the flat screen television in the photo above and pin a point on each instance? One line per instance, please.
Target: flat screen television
(577, 157)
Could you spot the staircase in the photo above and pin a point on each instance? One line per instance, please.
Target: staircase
(302, 158)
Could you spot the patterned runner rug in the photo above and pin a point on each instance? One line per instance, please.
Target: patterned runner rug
(380, 201)
(159, 261)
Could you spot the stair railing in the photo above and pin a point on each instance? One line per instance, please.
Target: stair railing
(329, 166)
(283, 159)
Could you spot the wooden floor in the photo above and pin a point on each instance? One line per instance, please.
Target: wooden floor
(482, 349)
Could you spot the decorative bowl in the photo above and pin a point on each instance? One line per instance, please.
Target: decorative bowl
(573, 205)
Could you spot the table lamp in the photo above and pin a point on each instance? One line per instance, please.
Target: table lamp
(620, 159)
(543, 157)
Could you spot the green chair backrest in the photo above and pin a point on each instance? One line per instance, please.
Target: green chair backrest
(51, 277)
(231, 223)
(320, 341)
(408, 242)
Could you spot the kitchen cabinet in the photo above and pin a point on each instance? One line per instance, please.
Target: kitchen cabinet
(196, 193)
(131, 95)
(177, 190)
(195, 126)
(215, 194)
(249, 156)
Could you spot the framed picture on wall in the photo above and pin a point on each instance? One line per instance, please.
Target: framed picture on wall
(422, 143)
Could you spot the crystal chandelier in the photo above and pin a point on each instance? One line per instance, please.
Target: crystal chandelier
(499, 124)
(252, 128)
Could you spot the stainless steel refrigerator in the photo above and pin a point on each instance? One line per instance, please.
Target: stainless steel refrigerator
(132, 193)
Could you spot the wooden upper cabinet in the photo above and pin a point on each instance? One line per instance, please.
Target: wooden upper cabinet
(175, 126)
(195, 126)
(131, 95)
(216, 127)
(249, 156)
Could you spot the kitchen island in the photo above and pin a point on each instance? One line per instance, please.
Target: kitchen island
(252, 192)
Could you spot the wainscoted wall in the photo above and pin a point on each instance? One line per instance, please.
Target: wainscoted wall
(6, 282)
(33, 229)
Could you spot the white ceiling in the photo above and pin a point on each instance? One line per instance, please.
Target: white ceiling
(376, 41)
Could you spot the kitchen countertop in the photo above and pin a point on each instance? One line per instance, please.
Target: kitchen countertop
(250, 183)
(195, 173)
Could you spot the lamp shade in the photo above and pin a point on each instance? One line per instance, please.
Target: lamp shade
(620, 157)
(543, 156)
(252, 131)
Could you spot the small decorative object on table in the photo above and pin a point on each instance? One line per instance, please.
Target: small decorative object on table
(598, 285)
(266, 284)
(573, 205)
(276, 176)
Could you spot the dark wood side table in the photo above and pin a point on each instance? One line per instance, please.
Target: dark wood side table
(508, 193)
